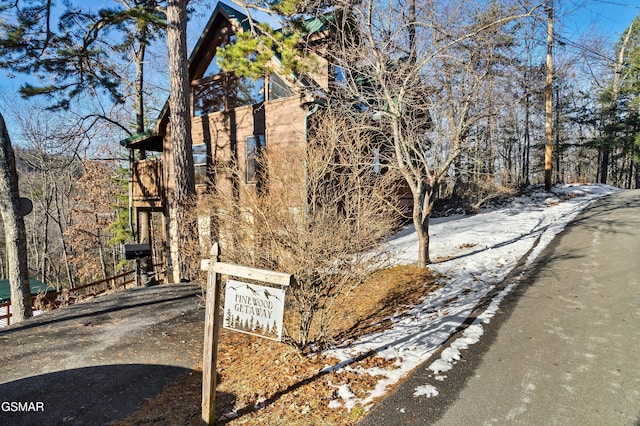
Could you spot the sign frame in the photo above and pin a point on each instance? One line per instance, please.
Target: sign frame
(215, 270)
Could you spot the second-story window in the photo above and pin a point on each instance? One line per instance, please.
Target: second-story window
(278, 88)
(254, 145)
(244, 91)
(223, 92)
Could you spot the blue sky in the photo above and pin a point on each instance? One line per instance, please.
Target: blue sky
(606, 17)
(609, 18)
(577, 18)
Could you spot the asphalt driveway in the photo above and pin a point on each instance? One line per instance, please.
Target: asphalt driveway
(98, 361)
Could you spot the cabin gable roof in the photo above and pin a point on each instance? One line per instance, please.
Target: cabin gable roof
(224, 21)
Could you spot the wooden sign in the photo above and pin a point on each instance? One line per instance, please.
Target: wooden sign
(254, 309)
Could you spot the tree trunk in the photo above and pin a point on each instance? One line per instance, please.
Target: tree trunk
(16, 237)
(412, 31)
(183, 189)
(144, 216)
(63, 242)
(421, 225)
(527, 137)
(144, 237)
(101, 255)
(45, 246)
(139, 85)
(548, 95)
(604, 164)
(423, 247)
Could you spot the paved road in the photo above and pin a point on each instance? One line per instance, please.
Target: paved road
(564, 348)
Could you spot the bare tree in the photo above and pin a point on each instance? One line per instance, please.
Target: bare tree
(94, 233)
(48, 169)
(415, 69)
(320, 212)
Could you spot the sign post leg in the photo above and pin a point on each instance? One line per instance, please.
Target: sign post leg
(211, 331)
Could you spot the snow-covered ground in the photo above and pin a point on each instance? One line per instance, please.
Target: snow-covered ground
(474, 253)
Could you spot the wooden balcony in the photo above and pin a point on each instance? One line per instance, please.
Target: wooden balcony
(146, 182)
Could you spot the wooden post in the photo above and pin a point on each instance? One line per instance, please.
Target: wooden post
(211, 331)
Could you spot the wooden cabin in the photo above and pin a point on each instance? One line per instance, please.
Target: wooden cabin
(232, 118)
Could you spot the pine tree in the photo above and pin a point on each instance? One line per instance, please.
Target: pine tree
(77, 56)
(181, 229)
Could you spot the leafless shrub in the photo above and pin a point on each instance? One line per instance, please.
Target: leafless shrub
(481, 190)
(320, 212)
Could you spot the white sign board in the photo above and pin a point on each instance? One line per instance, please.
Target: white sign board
(254, 309)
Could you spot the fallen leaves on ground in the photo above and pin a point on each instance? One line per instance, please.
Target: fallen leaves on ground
(262, 382)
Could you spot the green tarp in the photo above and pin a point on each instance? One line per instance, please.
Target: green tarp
(37, 286)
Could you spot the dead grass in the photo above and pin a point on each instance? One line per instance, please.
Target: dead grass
(268, 383)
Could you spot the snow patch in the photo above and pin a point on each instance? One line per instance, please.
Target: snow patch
(476, 253)
(426, 390)
(345, 397)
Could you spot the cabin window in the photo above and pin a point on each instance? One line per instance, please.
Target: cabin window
(245, 91)
(200, 163)
(219, 91)
(209, 95)
(339, 76)
(214, 65)
(253, 147)
(278, 88)
(224, 91)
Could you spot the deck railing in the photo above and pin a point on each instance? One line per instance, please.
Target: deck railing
(70, 295)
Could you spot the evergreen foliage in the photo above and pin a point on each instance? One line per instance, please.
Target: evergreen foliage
(120, 227)
(79, 55)
(251, 55)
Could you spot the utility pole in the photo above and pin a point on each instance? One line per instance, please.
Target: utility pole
(548, 94)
